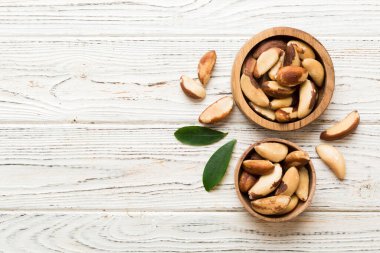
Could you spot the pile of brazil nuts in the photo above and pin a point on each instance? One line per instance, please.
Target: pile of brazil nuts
(274, 179)
(281, 80)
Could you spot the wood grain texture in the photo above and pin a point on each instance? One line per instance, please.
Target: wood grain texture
(186, 232)
(124, 79)
(143, 167)
(67, 63)
(205, 17)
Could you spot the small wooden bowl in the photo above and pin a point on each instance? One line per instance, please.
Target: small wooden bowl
(247, 202)
(325, 93)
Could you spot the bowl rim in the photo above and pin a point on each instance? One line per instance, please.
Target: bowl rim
(286, 217)
(329, 82)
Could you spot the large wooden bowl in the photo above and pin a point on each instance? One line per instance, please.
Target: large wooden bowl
(325, 93)
(247, 202)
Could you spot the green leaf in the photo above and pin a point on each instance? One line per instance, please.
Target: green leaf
(217, 165)
(198, 136)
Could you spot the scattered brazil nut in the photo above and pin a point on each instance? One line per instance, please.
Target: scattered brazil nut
(266, 61)
(273, 89)
(304, 50)
(271, 205)
(291, 56)
(264, 46)
(292, 204)
(291, 76)
(286, 114)
(192, 88)
(307, 98)
(333, 159)
(315, 69)
(342, 128)
(252, 91)
(280, 103)
(265, 112)
(217, 111)
(266, 183)
(289, 182)
(273, 151)
(258, 167)
(296, 158)
(205, 66)
(302, 191)
(246, 181)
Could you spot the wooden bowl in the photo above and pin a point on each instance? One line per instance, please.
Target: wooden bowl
(247, 202)
(325, 93)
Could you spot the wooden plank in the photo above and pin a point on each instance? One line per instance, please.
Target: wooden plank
(187, 232)
(135, 80)
(164, 17)
(125, 184)
(143, 167)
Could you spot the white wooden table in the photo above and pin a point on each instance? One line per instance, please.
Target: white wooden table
(89, 101)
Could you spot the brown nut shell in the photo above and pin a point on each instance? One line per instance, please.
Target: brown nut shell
(296, 158)
(273, 151)
(291, 56)
(252, 91)
(302, 191)
(333, 159)
(205, 66)
(258, 167)
(291, 76)
(265, 112)
(315, 70)
(292, 204)
(249, 66)
(281, 103)
(265, 45)
(274, 70)
(289, 182)
(286, 114)
(266, 61)
(304, 50)
(217, 111)
(307, 98)
(266, 183)
(246, 181)
(342, 128)
(271, 205)
(192, 88)
(274, 89)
